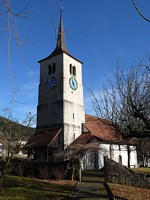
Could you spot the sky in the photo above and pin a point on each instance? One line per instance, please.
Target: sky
(97, 32)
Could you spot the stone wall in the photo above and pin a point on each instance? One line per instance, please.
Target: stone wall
(41, 170)
(117, 173)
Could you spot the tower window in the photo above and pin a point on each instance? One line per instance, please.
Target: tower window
(73, 115)
(72, 70)
(52, 68)
(74, 136)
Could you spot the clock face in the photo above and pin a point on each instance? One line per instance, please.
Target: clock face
(51, 82)
(73, 83)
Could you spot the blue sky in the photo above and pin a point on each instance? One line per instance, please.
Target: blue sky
(97, 33)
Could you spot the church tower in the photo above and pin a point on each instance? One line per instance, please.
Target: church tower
(60, 97)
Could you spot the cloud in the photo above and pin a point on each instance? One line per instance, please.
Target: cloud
(31, 73)
(30, 86)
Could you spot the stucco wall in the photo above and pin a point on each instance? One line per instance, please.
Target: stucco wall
(112, 151)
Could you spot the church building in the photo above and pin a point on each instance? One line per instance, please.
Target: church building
(61, 119)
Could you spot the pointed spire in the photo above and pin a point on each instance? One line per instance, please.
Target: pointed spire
(61, 44)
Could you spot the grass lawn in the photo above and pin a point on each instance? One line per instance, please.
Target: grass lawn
(129, 192)
(20, 188)
(142, 169)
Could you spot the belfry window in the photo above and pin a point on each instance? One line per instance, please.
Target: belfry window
(49, 69)
(72, 70)
(52, 68)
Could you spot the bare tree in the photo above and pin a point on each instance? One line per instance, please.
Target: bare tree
(127, 102)
(8, 18)
(74, 155)
(12, 137)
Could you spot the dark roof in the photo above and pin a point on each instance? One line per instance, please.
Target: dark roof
(61, 44)
(44, 139)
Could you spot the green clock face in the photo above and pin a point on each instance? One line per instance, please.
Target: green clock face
(51, 82)
(73, 83)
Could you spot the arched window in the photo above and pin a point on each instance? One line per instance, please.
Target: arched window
(74, 70)
(52, 69)
(71, 69)
(49, 69)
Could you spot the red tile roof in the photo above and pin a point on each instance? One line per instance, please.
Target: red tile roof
(98, 128)
(83, 139)
(102, 129)
(44, 139)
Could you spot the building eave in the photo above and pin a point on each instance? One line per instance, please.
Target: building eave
(57, 53)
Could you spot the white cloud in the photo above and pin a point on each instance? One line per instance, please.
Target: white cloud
(32, 85)
(31, 73)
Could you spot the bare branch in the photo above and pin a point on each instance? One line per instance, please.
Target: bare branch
(140, 13)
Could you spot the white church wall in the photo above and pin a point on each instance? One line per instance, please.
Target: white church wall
(114, 154)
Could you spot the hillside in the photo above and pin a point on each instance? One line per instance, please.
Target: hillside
(9, 128)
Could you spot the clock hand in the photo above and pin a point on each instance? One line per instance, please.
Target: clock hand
(73, 82)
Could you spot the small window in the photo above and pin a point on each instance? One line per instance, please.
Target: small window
(74, 136)
(119, 148)
(52, 69)
(72, 70)
(73, 115)
(49, 69)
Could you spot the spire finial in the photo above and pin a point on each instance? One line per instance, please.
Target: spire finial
(61, 33)
(61, 7)
(60, 44)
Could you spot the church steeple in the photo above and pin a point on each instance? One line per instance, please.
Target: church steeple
(61, 44)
